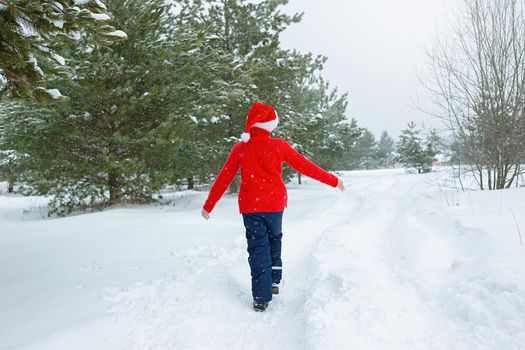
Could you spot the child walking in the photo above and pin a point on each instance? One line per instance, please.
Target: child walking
(262, 195)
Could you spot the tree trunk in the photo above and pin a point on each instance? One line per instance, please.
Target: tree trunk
(514, 176)
(190, 183)
(489, 173)
(10, 185)
(506, 170)
(299, 178)
(480, 171)
(114, 196)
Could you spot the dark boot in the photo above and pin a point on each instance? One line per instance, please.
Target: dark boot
(260, 306)
(275, 288)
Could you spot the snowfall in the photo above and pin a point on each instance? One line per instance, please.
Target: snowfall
(397, 261)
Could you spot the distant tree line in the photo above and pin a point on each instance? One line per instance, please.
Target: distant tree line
(412, 150)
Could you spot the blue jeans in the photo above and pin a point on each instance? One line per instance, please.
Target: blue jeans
(264, 233)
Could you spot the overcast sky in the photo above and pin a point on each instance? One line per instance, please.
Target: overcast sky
(374, 49)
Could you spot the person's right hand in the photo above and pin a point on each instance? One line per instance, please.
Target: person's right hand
(340, 185)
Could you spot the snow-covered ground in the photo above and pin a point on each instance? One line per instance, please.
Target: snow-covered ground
(395, 262)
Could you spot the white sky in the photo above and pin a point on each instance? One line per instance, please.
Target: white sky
(375, 49)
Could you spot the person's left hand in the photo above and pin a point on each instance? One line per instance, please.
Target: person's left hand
(340, 185)
(205, 214)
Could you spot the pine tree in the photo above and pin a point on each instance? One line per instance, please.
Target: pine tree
(35, 34)
(410, 150)
(431, 149)
(315, 117)
(243, 63)
(350, 134)
(385, 151)
(116, 139)
(333, 133)
(365, 155)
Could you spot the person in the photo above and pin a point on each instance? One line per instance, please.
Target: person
(262, 195)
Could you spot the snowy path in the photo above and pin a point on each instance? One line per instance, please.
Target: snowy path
(385, 265)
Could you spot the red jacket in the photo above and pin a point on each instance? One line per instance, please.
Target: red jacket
(262, 187)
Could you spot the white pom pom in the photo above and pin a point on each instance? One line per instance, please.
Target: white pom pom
(245, 137)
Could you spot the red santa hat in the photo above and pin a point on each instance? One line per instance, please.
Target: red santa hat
(260, 116)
